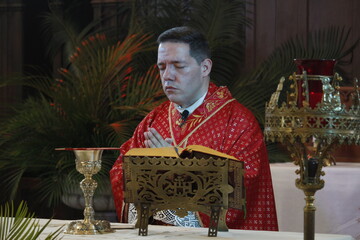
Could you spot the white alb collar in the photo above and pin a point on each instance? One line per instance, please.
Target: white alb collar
(194, 106)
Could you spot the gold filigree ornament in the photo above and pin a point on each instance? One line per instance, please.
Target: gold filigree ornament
(311, 130)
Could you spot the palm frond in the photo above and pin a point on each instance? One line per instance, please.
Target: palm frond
(205, 16)
(77, 109)
(20, 224)
(224, 24)
(11, 176)
(155, 16)
(143, 92)
(62, 34)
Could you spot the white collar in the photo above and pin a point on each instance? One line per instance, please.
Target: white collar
(193, 106)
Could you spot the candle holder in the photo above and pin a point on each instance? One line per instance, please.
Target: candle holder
(88, 163)
(311, 128)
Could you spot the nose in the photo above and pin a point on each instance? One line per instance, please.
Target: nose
(168, 74)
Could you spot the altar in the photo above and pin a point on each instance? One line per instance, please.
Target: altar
(181, 233)
(337, 204)
(337, 215)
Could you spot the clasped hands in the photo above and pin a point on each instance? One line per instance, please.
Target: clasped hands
(154, 140)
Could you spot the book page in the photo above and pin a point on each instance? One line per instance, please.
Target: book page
(207, 151)
(153, 152)
(190, 152)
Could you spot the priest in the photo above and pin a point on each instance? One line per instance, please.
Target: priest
(200, 113)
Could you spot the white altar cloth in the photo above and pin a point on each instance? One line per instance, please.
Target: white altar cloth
(181, 233)
(337, 204)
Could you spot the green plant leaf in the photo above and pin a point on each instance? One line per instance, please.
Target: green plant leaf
(20, 224)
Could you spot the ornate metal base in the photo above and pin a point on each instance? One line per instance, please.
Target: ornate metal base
(92, 228)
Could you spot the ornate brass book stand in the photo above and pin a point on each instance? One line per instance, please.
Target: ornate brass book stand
(207, 185)
(311, 124)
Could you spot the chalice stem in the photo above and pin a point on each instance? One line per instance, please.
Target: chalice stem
(309, 218)
(88, 186)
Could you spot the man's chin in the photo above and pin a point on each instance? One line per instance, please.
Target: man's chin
(176, 101)
(172, 98)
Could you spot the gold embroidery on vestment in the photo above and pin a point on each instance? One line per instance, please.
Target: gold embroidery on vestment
(197, 119)
(220, 94)
(210, 106)
(178, 122)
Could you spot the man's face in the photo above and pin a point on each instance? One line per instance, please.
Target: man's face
(184, 80)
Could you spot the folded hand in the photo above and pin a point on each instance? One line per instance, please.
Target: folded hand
(154, 140)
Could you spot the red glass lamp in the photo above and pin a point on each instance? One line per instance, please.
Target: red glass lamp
(313, 70)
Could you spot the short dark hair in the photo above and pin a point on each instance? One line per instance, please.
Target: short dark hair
(199, 46)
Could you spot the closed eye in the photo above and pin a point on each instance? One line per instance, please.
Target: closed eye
(179, 66)
(161, 67)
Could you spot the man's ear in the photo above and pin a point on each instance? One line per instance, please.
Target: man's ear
(206, 65)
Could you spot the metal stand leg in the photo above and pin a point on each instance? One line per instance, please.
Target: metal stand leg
(144, 219)
(309, 218)
(222, 227)
(214, 220)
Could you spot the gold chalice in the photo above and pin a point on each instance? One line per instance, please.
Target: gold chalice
(88, 163)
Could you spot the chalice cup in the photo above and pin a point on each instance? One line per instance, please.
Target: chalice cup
(88, 163)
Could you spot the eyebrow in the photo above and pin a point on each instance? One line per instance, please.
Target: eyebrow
(172, 62)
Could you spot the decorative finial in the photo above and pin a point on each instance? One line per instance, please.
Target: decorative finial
(275, 96)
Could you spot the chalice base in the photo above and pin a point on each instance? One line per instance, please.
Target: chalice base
(92, 228)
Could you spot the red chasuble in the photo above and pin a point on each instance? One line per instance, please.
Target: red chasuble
(223, 124)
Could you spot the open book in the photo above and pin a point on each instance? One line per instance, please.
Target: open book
(191, 151)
